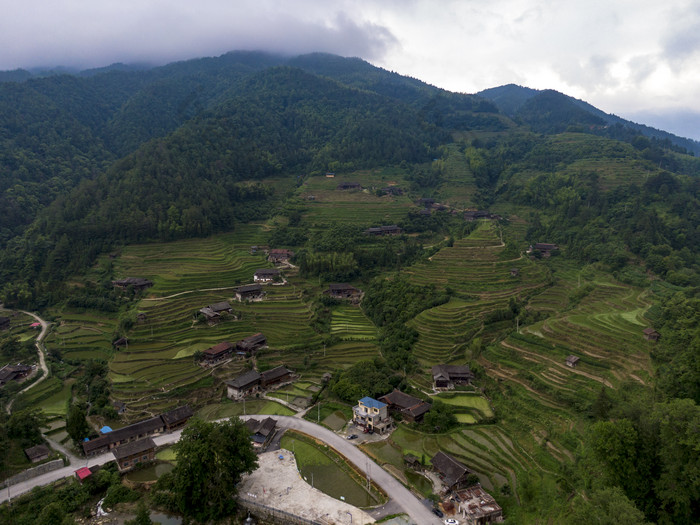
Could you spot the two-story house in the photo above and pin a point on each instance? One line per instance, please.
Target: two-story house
(372, 415)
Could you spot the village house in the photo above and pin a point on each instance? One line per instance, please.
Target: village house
(447, 376)
(411, 408)
(453, 474)
(4, 323)
(13, 373)
(251, 344)
(392, 190)
(279, 255)
(274, 376)
(122, 341)
(218, 353)
(371, 415)
(651, 335)
(478, 506)
(572, 361)
(514, 272)
(141, 317)
(342, 291)
(37, 453)
(426, 202)
(249, 292)
(212, 313)
(136, 283)
(259, 248)
(261, 432)
(475, 215)
(544, 248)
(244, 385)
(349, 186)
(392, 229)
(146, 428)
(177, 418)
(129, 455)
(266, 275)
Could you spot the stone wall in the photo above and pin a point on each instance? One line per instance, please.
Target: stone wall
(33, 472)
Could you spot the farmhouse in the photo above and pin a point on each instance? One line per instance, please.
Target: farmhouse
(651, 335)
(447, 376)
(261, 432)
(223, 306)
(274, 376)
(218, 353)
(572, 361)
(426, 202)
(140, 430)
(514, 272)
(266, 275)
(411, 408)
(260, 248)
(392, 190)
(474, 215)
(212, 313)
(251, 343)
(249, 292)
(122, 341)
(128, 456)
(342, 291)
(452, 473)
(37, 453)
(13, 373)
(243, 385)
(392, 229)
(4, 323)
(137, 283)
(177, 418)
(478, 506)
(544, 248)
(280, 255)
(372, 415)
(349, 186)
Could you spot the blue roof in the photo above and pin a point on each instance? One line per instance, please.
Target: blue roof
(372, 403)
(105, 429)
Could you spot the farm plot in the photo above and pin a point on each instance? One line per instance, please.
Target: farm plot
(467, 403)
(349, 323)
(82, 335)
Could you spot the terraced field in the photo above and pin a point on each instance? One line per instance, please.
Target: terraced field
(83, 335)
(473, 266)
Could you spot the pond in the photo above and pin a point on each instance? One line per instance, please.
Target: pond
(151, 473)
(336, 420)
(331, 480)
(420, 482)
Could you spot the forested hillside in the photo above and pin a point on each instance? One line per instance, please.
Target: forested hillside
(174, 173)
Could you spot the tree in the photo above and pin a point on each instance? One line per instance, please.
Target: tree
(608, 506)
(211, 457)
(76, 424)
(26, 426)
(143, 517)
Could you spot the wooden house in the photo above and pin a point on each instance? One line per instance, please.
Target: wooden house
(342, 291)
(136, 283)
(252, 343)
(249, 292)
(280, 255)
(275, 376)
(37, 453)
(243, 385)
(544, 248)
(651, 335)
(146, 428)
(177, 418)
(572, 361)
(13, 373)
(218, 352)
(261, 432)
(451, 472)
(411, 408)
(447, 376)
(129, 455)
(372, 415)
(478, 507)
(349, 186)
(221, 307)
(259, 248)
(266, 275)
(514, 272)
(392, 229)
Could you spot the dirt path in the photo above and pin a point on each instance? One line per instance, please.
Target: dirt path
(188, 291)
(41, 350)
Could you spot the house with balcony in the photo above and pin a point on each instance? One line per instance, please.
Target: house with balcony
(372, 415)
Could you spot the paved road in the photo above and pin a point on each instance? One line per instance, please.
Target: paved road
(42, 361)
(393, 488)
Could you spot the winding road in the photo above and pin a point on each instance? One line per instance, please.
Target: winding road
(399, 494)
(42, 357)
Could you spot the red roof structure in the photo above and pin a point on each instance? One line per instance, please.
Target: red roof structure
(83, 473)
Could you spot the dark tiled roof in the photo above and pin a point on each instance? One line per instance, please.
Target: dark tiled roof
(253, 340)
(341, 287)
(452, 371)
(178, 414)
(267, 272)
(37, 451)
(451, 469)
(572, 359)
(275, 373)
(249, 288)
(220, 307)
(244, 380)
(135, 447)
(406, 403)
(219, 349)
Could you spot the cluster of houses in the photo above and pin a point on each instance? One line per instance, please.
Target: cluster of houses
(343, 291)
(544, 248)
(391, 229)
(14, 373)
(243, 348)
(261, 432)
(138, 284)
(252, 382)
(212, 313)
(134, 443)
(475, 215)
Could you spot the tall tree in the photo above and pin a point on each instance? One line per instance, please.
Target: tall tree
(76, 424)
(211, 458)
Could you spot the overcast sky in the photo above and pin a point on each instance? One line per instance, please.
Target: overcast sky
(638, 59)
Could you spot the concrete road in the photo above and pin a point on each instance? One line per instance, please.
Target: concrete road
(399, 494)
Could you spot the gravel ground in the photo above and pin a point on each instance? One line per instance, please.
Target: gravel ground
(277, 483)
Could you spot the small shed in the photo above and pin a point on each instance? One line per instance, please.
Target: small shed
(37, 453)
(514, 272)
(572, 361)
(651, 335)
(83, 473)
